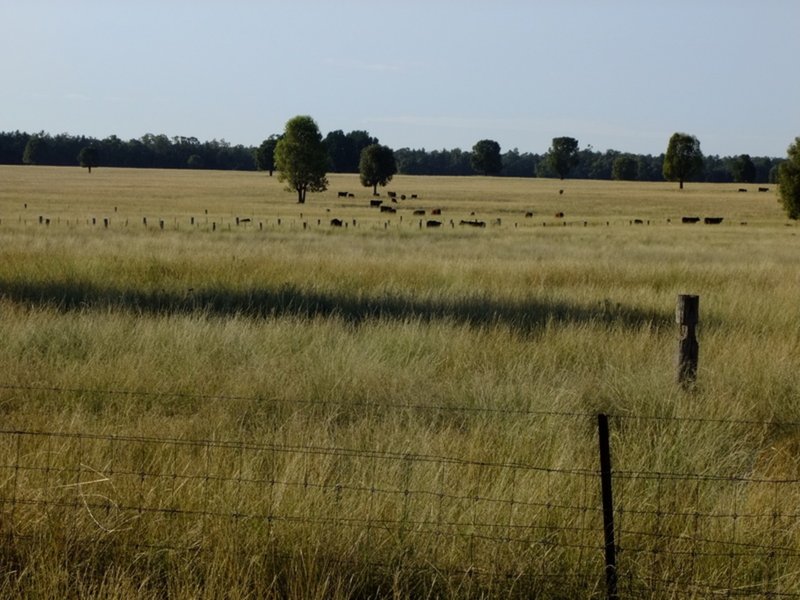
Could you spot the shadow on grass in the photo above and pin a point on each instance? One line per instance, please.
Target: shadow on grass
(527, 315)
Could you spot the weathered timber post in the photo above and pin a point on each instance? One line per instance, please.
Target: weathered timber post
(608, 508)
(687, 315)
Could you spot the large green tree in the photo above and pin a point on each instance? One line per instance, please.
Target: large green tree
(301, 158)
(683, 159)
(265, 154)
(87, 157)
(743, 169)
(377, 166)
(486, 158)
(789, 181)
(624, 168)
(562, 156)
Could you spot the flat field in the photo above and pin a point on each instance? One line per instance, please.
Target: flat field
(208, 390)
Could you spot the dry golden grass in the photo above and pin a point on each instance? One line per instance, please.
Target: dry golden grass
(443, 360)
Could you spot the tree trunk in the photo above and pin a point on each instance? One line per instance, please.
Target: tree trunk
(90, 169)
(681, 183)
(375, 190)
(301, 196)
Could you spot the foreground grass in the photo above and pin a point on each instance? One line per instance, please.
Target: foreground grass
(459, 370)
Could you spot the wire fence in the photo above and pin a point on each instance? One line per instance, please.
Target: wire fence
(685, 527)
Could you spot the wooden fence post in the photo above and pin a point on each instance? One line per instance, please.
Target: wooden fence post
(608, 507)
(687, 315)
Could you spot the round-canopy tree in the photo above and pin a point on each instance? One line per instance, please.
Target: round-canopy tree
(486, 158)
(88, 157)
(265, 154)
(624, 168)
(789, 181)
(301, 158)
(563, 155)
(743, 169)
(377, 166)
(683, 159)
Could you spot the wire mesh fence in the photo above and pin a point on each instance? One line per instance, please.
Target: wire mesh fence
(685, 527)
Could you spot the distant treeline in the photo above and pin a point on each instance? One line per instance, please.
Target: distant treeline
(160, 151)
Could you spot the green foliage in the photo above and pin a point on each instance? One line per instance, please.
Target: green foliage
(301, 157)
(743, 169)
(625, 168)
(486, 158)
(377, 166)
(36, 151)
(563, 155)
(265, 154)
(683, 159)
(88, 157)
(345, 150)
(789, 181)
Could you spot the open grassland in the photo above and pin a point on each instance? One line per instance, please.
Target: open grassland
(287, 409)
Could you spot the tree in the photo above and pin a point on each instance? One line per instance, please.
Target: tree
(265, 154)
(87, 157)
(789, 181)
(486, 158)
(301, 158)
(36, 151)
(624, 168)
(743, 169)
(563, 155)
(683, 159)
(377, 166)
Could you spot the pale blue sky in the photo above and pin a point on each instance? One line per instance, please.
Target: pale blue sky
(621, 74)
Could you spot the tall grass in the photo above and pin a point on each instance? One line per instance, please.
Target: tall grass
(383, 338)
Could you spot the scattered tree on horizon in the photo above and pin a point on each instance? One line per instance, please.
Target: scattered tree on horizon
(377, 166)
(562, 156)
(301, 158)
(88, 157)
(265, 154)
(35, 151)
(789, 181)
(743, 169)
(683, 159)
(486, 158)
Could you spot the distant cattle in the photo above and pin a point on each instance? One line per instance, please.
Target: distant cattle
(529, 215)
(245, 220)
(391, 194)
(690, 219)
(413, 196)
(351, 195)
(402, 196)
(375, 202)
(560, 192)
(742, 189)
(436, 211)
(638, 222)
(432, 223)
(394, 200)
(473, 223)
(763, 189)
(419, 212)
(559, 215)
(388, 209)
(712, 220)
(336, 223)
(342, 194)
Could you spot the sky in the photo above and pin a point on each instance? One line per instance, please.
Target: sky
(433, 74)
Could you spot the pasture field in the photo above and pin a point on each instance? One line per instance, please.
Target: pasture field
(399, 405)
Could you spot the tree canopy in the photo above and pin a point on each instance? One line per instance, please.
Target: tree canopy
(743, 169)
(789, 181)
(486, 158)
(88, 157)
(265, 154)
(377, 166)
(683, 159)
(301, 157)
(625, 168)
(345, 150)
(563, 155)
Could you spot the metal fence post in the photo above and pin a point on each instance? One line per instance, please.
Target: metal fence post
(608, 508)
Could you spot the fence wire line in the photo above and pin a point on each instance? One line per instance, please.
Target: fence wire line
(397, 406)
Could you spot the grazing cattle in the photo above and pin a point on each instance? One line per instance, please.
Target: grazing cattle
(560, 192)
(402, 196)
(473, 223)
(742, 189)
(743, 223)
(529, 215)
(419, 212)
(336, 223)
(342, 195)
(436, 211)
(394, 200)
(690, 219)
(763, 189)
(388, 209)
(413, 196)
(245, 220)
(712, 220)
(375, 202)
(638, 222)
(351, 195)
(559, 215)
(432, 223)
(391, 194)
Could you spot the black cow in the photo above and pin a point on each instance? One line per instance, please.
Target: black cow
(336, 223)
(432, 223)
(690, 219)
(342, 195)
(712, 220)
